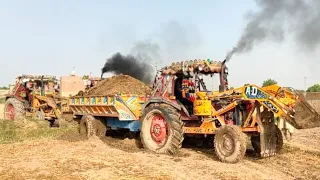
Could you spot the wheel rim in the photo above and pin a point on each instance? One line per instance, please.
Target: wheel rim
(159, 129)
(227, 145)
(10, 112)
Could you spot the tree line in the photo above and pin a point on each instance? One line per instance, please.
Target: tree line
(269, 82)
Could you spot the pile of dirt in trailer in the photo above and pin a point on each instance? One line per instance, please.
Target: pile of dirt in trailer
(120, 84)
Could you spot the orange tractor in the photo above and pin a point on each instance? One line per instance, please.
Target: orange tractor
(33, 96)
(42, 97)
(181, 107)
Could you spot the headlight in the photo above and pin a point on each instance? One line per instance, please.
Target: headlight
(200, 68)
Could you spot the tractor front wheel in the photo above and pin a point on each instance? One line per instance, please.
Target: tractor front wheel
(14, 109)
(230, 144)
(161, 129)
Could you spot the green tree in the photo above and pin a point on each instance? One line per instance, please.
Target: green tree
(314, 88)
(4, 88)
(269, 82)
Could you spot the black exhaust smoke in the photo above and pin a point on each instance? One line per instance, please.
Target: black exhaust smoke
(278, 19)
(129, 65)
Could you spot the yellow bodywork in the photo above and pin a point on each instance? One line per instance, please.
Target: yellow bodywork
(268, 100)
(284, 95)
(202, 107)
(39, 103)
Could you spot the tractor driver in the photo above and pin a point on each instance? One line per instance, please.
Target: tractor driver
(178, 93)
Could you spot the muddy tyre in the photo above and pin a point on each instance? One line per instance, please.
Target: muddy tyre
(62, 123)
(14, 109)
(255, 142)
(99, 128)
(86, 126)
(39, 115)
(161, 129)
(68, 117)
(230, 144)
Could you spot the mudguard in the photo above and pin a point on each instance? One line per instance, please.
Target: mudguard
(173, 103)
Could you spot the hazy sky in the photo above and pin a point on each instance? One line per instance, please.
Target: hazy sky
(53, 36)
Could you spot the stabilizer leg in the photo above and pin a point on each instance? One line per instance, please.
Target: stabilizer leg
(268, 140)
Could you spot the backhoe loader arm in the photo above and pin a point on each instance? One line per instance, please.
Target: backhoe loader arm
(253, 92)
(286, 95)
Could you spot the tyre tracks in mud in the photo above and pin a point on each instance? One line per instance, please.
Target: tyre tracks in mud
(72, 156)
(292, 162)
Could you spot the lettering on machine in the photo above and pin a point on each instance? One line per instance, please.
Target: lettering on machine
(254, 93)
(251, 91)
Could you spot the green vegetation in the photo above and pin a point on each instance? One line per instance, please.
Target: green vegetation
(17, 131)
(314, 88)
(4, 88)
(269, 82)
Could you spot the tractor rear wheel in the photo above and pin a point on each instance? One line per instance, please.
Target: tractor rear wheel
(230, 144)
(161, 129)
(86, 125)
(255, 141)
(14, 109)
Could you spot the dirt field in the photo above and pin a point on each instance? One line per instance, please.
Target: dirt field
(107, 159)
(73, 157)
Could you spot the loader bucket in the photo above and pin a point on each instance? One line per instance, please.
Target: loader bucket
(305, 116)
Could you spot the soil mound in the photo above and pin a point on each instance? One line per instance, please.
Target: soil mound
(120, 84)
(306, 116)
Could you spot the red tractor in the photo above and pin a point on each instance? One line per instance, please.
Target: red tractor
(33, 96)
(181, 107)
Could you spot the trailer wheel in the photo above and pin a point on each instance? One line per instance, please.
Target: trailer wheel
(86, 125)
(61, 122)
(161, 129)
(230, 144)
(14, 109)
(100, 128)
(39, 115)
(255, 142)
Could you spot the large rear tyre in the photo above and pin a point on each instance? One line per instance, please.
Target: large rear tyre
(99, 128)
(86, 126)
(255, 141)
(230, 144)
(14, 109)
(161, 129)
